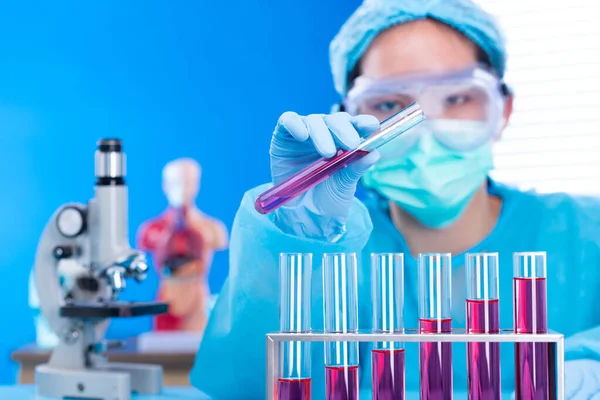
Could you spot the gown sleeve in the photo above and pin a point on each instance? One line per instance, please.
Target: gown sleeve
(586, 344)
(231, 360)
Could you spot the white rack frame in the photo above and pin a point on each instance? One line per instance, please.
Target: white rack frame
(413, 336)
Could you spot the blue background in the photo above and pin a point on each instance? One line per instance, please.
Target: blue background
(203, 79)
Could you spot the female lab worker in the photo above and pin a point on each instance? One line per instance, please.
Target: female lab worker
(426, 192)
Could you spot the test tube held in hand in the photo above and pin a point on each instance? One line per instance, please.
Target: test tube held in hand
(435, 304)
(387, 279)
(482, 309)
(321, 169)
(533, 364)
(340, 313)
(295, 273)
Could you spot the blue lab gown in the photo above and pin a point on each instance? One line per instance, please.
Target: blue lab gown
(231, 361)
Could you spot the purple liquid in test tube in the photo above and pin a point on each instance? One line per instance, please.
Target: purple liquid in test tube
(482, 309)
(340, 313)
(321, 169)
(295, 270)
(435, 304)
(341, 382)
(534, 380)
(387, 358)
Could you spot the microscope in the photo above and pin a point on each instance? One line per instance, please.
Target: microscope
(82, 263)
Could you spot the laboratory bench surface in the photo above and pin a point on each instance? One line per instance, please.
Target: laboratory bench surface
(27, 392)
(176, 366)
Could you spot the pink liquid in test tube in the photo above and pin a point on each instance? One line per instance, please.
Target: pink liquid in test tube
(388, 374)
(435, 275)
(482, 309)
(323, 168)
(387, 358)
(341, 382)
(533, 369)
(293, 389)
(436, 361)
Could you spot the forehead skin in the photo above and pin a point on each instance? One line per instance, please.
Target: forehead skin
(417, 46)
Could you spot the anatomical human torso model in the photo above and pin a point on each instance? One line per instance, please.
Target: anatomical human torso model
(182, 241)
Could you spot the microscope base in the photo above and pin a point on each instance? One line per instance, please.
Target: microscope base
(111, 381)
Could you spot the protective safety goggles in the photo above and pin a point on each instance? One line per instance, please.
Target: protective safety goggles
(471, 98)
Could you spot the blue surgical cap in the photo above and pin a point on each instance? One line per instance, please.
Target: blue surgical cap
(374, 16)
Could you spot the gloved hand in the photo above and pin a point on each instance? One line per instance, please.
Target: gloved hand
(321, 212)
(582, 380)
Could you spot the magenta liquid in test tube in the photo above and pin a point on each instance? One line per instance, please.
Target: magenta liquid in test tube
(321, 169)
(294, 381)
(533, 377)
(483, 358)
(340, 313)
(387, 358)
(435, 304)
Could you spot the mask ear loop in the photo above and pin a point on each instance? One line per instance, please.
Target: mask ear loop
(505, 89)
(506, 92)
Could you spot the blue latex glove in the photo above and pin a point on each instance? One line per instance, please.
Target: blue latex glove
(321, 212)
(582, 380)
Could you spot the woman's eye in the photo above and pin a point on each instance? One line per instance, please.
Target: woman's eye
(387, 106)
(457, 100)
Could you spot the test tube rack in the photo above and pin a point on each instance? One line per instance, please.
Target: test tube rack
(413, 336)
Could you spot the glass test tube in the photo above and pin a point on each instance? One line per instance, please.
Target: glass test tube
(533, 377)
(435, 304)
(340, 313)
(321, 169)
(295, 271)
(483, 317)
(387, 279)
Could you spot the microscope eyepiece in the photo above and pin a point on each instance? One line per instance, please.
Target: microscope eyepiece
(110, 163)
(110, 145)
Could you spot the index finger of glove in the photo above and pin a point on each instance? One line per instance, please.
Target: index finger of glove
(291, 123)
(343, 131)
(365, 124)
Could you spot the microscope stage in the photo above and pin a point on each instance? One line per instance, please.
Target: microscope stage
(112, 309)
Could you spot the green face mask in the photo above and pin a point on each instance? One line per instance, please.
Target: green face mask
(430, 181)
